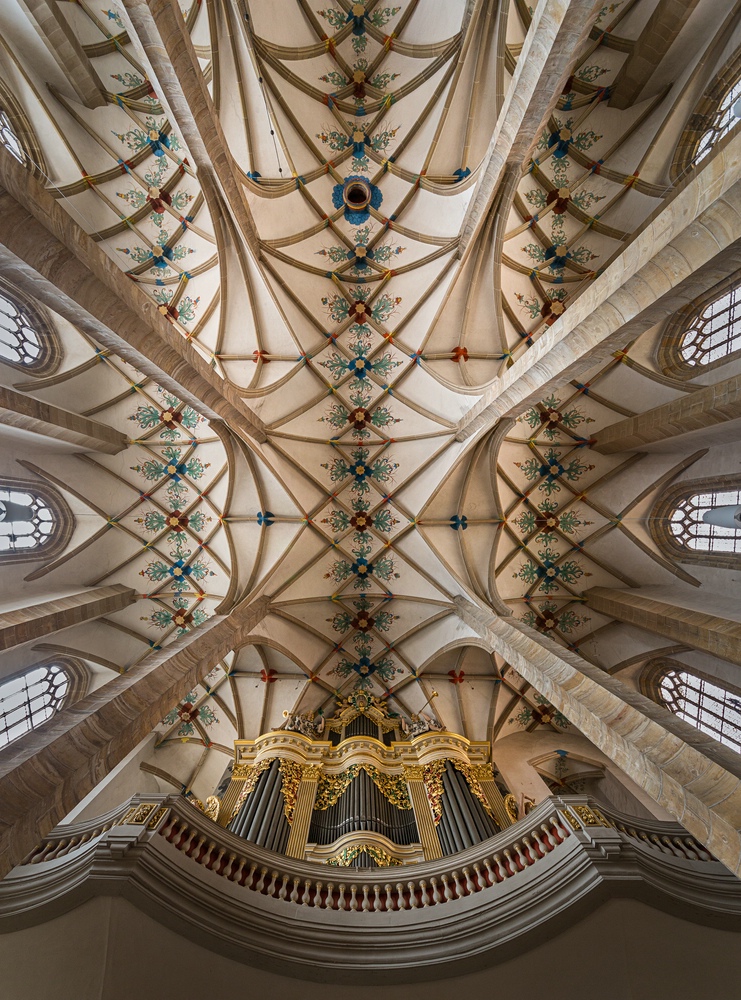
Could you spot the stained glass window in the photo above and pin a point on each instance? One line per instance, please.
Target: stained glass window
(9, 139)
(27, 521)
(705, 705)
(20, 342)
(691, 532)
(714, 333)
(720, 123)
(30, 698)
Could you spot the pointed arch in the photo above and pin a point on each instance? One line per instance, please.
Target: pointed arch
(707, 703)
(35, 521)
(677, 527)
(17, 134)
(705, 334)
(31, 696)
(28, 340)
(711, 120)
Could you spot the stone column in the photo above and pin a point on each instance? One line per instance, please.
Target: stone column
(302, 810)
(698, 629)
(493, 796)
(414, 775)
(36, 620)
(715, 404)
(18, 409)
(691, 775)
(46, 772)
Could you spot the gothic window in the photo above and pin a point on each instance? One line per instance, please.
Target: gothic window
(27, 341)
(32, 696)
(35, 522)
(713, 118)
(704, 334)
(8, 138)
(677, 522)
(709, 705)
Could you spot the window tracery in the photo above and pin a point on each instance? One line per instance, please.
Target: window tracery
(706, 333)
(8, 138)
(712, 119)
(32, 696)
(27, 338)
(35, 522)
(17, 135)
(677, 525)
(709, 705)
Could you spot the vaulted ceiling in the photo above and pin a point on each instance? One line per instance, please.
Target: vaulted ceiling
(307, 195)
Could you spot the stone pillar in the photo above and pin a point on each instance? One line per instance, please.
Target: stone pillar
(493, 796)
(36, 620)
(691, 775)
(18, 409)
(304, 807)
(46, 772)
(414, 775)
(715, 404)
(698, 629)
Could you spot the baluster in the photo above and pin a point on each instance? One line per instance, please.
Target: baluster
(236, 876)
(459, 888)
(536, 844)
(401, 901)
(270, 891)
(188, 843)
(353, 897)
(216, 866)
(306, 898)
(500, 872)
(59, 845)
(261, 881)
(413, 901)
(390, 905)
(249, 876)
(318, 895)
(520, 858)
(330, 901)
(294, 890)
(481, 879)
(549, 836)
(470, 885)
(449, 894)
(366, 902)
(377, 901)
(283, 891)
(436, 897)
(672, 847)
(425, 897)
(491, 876)
(228, 869)
(702, 854)
(342, 902)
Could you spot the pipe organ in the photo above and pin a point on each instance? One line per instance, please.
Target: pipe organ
(362, 789)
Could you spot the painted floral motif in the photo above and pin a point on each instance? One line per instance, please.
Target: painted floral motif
(179, 617)
(182, 572)
(550, 469)
(362, 568)
(543, 714)
(546, 618)
(161, 254)
(185, 310)
(360, 143)
(156, 196)
(361, 255)
(173, 417)
(113, 15)
(549, 573)
(364, 618)
(357, 17)
(553, 417)
(546, 521)
(154, 136)
(362, 664)
(128, 80)
(188, 715)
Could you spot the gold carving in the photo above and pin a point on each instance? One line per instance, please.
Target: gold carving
(211, 809)
(348, 854)
(414, 772)
(138, 815)
(575, 825)
(510, 804)
(586, 815)
(155, 820)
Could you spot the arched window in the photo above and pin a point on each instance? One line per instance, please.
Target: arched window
(8, 138)
(677, 525)
(27, 338)
(712, 119)
(32, 696)
(704, 334)
(35, 522)
(708, 704)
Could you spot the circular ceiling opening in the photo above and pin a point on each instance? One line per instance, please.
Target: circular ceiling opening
(357, 194)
